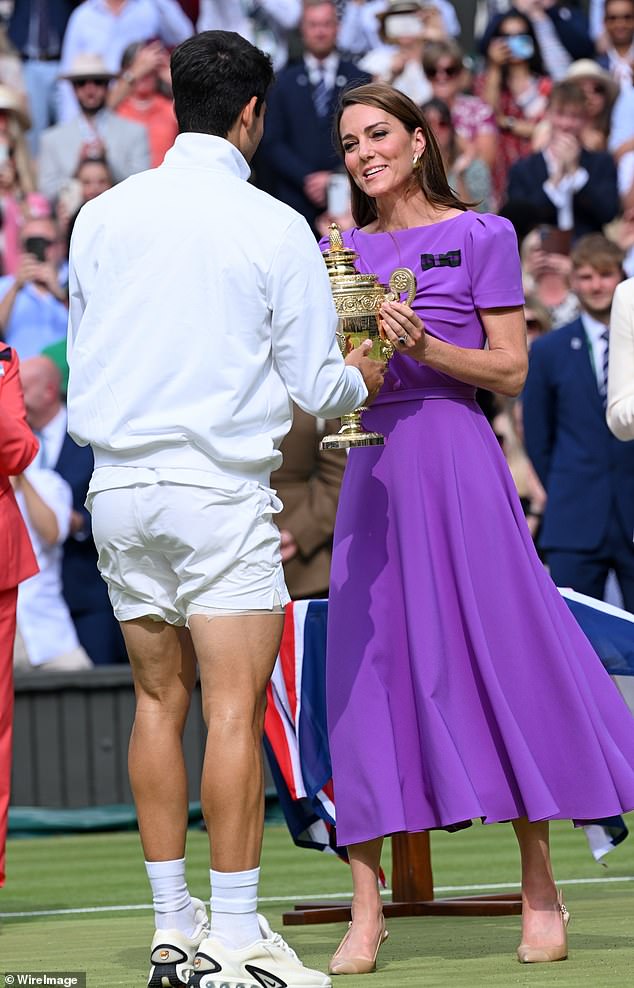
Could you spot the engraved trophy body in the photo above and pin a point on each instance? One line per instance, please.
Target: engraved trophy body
(358, 298)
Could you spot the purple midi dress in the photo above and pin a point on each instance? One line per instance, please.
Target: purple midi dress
(458, 683)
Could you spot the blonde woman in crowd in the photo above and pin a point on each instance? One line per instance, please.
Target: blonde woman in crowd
(473, 119)
(17, 180)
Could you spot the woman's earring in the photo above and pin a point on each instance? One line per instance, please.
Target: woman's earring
(416, 161)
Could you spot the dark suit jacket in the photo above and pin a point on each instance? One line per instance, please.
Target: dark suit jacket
(83, 588)
(596, 204)
(296, 140)
(586, 471)
(58, 12)
(18, 447)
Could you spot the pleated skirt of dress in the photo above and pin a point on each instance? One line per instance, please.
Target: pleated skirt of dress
(458, 683)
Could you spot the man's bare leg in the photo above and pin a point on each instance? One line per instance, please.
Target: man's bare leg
(236, 656)
(164, 670)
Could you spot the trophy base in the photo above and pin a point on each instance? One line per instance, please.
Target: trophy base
(352, 441)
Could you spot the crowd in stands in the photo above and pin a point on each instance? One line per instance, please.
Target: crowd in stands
(534, 119)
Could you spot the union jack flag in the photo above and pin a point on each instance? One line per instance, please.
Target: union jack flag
(296, 738)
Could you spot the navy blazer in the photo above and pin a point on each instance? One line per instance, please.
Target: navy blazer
(296, 140)
(83, 588)
(18, 30)
(596, 204)
(586, 471)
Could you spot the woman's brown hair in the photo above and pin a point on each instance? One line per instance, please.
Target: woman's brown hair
(430, 175)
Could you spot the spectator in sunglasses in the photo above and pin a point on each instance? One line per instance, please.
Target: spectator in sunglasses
(95, 132)
(472, 118)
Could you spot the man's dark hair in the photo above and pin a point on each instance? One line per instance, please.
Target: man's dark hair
(214, 75)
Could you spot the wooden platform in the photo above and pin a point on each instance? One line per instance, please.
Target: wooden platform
(412, 892)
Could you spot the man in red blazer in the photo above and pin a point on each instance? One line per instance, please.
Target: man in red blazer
(18, 447)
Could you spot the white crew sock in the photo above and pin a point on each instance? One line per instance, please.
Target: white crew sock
(234, 901)
(173, 908)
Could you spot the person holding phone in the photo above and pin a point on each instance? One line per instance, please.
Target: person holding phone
(515, 84)
(33, 310)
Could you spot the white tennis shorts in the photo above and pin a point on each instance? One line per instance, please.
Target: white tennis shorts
(168, 551)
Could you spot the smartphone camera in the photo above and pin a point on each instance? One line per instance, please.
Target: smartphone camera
(520, 45)
(37, 247)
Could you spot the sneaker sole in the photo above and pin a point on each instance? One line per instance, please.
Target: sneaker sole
(166, 976)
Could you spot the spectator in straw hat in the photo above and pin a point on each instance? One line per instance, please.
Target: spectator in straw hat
(600, 92)
(95, 132)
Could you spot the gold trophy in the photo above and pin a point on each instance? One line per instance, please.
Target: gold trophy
(358, 298)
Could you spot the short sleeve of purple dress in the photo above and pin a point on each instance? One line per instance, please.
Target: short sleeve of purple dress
(458, 683)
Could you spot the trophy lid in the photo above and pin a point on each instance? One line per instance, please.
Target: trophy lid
(340, 260)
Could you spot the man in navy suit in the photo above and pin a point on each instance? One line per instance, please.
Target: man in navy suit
(587, 473)
(297, 151)
(564, 185)
(84, 590)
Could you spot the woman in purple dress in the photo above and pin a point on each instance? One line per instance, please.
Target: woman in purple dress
(459, 685)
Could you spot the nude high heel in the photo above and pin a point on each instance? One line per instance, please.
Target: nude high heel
(542, 955)
(357, 965)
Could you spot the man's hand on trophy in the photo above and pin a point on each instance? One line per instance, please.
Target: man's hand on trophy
(403, 328)
(373, 370)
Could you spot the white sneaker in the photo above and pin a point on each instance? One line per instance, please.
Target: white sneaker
(267, 963)
(172, 953)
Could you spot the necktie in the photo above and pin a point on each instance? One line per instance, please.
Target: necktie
(606, 356)
(321, 95)
(40, 461)
(42, 27)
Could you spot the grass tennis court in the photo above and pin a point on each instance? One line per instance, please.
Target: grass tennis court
(106, 870)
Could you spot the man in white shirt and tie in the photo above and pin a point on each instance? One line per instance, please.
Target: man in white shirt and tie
(587, 474)
(297, 156)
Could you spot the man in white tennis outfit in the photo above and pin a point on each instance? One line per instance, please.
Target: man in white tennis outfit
(199, 308)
